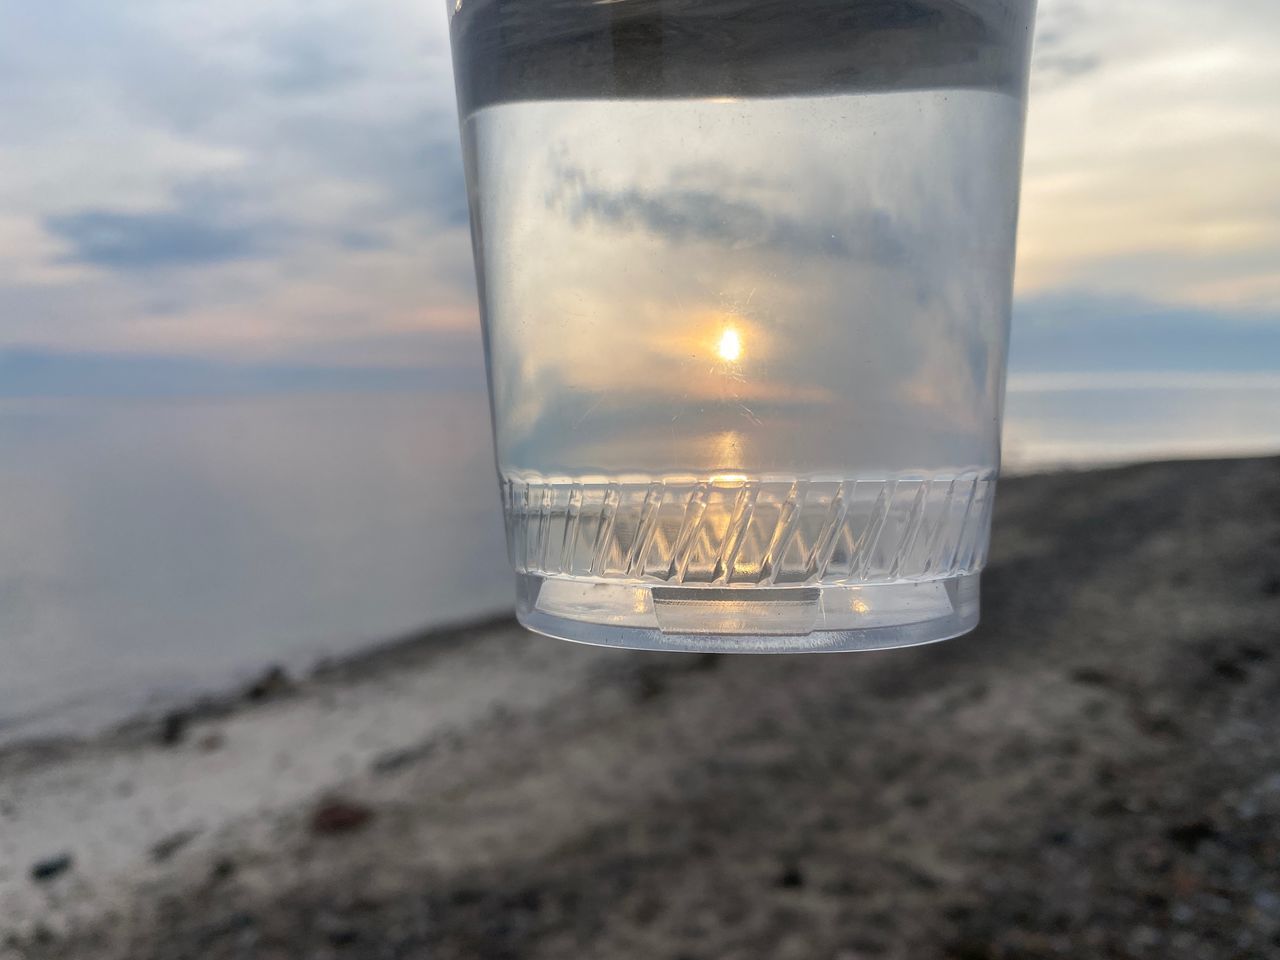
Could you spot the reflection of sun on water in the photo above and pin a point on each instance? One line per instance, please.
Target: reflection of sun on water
(730, 345)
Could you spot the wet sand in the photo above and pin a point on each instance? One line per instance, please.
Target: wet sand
(1094, 772)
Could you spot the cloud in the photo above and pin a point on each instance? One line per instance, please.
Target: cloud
(410, 168)
(140, 241)
(251, 179)
(1064, 46)
(442, 363)
(1074, 331)
(314, 59)
(1152, 149)
(264, 177)
(682, 214)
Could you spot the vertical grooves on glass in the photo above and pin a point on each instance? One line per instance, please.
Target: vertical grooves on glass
(645, 531)
(742, 510)
(570, 540)
(825, 547)
(936, 534)
(683, 552)
(788, 524)
(871, 537)
(604, 536)
(954, 558)
(908, 542)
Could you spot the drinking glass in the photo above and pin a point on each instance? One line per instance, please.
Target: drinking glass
(745, 274)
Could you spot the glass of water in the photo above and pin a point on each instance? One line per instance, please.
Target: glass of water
(745, 273)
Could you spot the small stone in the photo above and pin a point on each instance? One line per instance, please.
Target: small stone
(649, 685)
(1230, 671)
(1092, 677)
(792, 878)
(173, 727)
(271, 683)
(971, 949)
(166, 848)
(707, 661)
(1190, 835)
(339, 816)
(1060, 836)
(394, 760)
(223, 868)
(50, 867)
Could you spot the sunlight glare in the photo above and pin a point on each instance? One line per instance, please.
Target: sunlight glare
(730, 346)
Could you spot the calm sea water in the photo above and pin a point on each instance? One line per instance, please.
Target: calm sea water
(152, 549)
(155, 548)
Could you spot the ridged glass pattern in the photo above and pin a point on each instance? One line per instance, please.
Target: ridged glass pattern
(751, 532)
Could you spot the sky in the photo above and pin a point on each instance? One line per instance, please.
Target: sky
(278, 186)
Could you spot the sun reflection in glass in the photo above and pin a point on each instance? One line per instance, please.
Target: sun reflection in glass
(730, 345)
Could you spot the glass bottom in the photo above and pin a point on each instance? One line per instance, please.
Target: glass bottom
(821, 618)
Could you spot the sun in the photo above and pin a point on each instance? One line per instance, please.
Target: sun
(730, 345)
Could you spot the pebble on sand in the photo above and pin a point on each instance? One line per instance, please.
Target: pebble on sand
(166, 848)
(273, 682)
(339, 816)
(50, 867)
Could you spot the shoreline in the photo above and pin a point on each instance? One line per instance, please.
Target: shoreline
(268, 681)
(28, 734)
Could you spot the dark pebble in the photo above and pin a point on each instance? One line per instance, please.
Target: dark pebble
(339, 816)
(272, 683)
(50, 867)
(1092, 677)
(171, 844)
(465, 896)
(173, 728)
(792, 878)
(1230, 671)
(707, 661)
(394, 760)
(970, 950)
(337, 930)
(1190, 835)
(223, 868)
(648, 685)
(1060, 837)
(1271, 587)
(344, 936)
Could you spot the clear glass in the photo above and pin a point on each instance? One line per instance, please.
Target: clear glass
(745, 272)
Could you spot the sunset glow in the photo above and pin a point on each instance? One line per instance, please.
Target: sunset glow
(730, 346)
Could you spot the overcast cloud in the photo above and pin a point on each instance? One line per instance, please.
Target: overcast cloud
(281, 182)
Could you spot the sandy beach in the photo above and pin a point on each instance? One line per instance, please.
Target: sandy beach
(1095, 772)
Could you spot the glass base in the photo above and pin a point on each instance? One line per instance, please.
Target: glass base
(823, 618)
